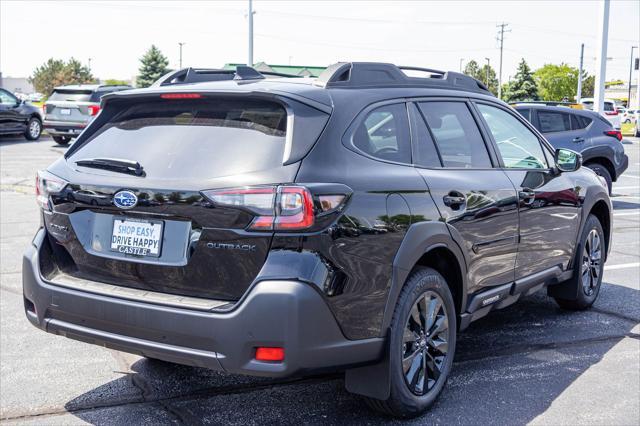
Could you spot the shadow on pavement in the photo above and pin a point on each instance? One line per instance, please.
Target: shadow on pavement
(509, 369)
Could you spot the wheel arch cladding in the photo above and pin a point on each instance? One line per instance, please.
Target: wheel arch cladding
(428, 244)
(601, 210)
(604, 162)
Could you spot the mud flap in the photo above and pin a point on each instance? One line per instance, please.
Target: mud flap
(373, 381)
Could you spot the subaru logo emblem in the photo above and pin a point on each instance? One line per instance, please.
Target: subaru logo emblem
(125, 199)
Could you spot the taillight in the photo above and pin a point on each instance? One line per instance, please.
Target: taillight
(93, 109)
(614, 133)
(46, 185)
(276, 208)
(181, 96)
(611, 112)
(44, 109)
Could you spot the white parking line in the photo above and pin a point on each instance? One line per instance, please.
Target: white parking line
(629, 176)
(621, 266)
(634, 213)
(617, 197)
(627, 187)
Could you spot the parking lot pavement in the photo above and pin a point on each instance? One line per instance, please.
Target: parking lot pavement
(529, 363)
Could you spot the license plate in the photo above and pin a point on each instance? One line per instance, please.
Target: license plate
(137, 238)
(65, 111)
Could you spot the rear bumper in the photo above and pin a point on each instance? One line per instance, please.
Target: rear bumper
(63, 128)
(287, 314)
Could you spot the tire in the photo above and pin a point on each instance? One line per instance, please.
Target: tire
(34, 129)
(62, 140)
(602, 171)
(589, 267)
(424, 289)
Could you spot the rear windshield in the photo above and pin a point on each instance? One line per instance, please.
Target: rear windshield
(71, 95)
(194, 139)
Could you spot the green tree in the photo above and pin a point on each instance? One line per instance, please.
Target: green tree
(556, 82)
(472, 69)
(523, 87)
(154, 65)
(115, 82)
(56, 72)
(588, 85)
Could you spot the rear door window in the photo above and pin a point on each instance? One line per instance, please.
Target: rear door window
(193, 139)
(456, 134)
(384, 134)
(552, 121)
(579, 122)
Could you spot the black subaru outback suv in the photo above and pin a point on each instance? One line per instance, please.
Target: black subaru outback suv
(284, 226)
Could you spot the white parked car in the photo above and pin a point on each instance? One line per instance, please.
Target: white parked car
(637, 116)
(610, 111)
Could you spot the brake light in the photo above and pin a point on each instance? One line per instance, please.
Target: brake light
(615, 134)
(269, 354)
(47, 185)
(181, 96)
(611, 112)
(44, 109)
(279, 208)
(94, 109)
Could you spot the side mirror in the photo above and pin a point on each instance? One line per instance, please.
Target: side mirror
(567, 160)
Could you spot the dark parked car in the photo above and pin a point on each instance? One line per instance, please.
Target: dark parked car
(19, 117)
(584, 131)
(69, 109)
(280, 227)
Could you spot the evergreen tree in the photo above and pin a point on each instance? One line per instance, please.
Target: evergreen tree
(523, 87)
(154, 65)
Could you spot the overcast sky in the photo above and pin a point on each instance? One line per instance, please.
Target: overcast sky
(429, 34)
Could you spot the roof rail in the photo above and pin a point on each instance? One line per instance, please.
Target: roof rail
(374, 74)
(197, 75)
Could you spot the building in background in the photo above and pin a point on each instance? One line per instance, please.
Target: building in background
(16, 84)
(619, 91)
(299, 70)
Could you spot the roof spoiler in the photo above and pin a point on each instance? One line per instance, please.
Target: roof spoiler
(198, 75)
(373, 74)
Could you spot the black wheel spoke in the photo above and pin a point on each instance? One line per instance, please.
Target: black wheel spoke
(425, 343)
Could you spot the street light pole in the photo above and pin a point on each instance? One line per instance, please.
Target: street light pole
(601, 70)
(181, 44)
(487, 73)
(630, 74)
(579, 94)
(461, 61)
(250, 16)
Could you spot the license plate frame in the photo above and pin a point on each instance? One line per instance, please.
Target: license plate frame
(133, 249)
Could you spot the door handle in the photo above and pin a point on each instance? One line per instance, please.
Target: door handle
(527, 195)
(578, 139)
(454, 199)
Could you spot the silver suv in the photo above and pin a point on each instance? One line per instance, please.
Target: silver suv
(69, 109)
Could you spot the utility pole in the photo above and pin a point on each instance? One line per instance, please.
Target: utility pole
(501, 40)
(601, 70)
(630, 74)
(579, 94)
(487, 73)
(181, 44)
(89, 64)
(250, 16)
(461, 61)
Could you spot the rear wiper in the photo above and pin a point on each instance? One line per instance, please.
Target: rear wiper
(114, 165)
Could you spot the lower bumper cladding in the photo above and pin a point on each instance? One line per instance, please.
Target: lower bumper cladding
(288, 315)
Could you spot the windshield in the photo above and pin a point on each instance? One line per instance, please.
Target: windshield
(71, 95)
(193, 139)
